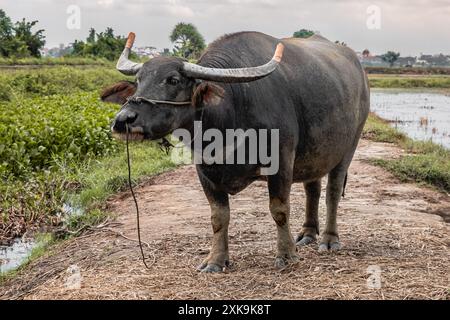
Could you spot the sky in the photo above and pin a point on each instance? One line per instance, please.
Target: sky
(410, 27)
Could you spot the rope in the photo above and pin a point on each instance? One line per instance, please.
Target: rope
(130, 184)
(134, 198)
(152, 101)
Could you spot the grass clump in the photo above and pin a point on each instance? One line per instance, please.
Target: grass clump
(438, 82)
(425, 162)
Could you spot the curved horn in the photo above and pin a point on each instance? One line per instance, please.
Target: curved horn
(235, 75)
(125, 65)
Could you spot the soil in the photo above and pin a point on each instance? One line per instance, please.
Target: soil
(388, 228)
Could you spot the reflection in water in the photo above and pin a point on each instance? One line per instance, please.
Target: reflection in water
(14, 255)
(421, 115)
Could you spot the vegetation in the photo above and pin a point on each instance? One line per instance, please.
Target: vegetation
(424, 162)
(18, 40)
(20, 84)
(390, 57)
(100, 45)
(56, 146)
(303, 33)
(440, 82)
(408, 70)
(188, 42)
(50, 61)
(37, 133)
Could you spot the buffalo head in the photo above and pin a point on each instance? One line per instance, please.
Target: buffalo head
(168, 90)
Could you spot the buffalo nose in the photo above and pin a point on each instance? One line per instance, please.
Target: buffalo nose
(123, 118)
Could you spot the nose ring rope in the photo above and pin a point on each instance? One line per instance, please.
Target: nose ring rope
(153, 101)
(130, 184)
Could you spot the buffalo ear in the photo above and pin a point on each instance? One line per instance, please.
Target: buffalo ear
(207, 93)
(118, 92)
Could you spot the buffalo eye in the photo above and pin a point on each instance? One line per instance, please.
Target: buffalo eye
(173, 81)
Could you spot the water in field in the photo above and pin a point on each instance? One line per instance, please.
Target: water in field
(14, 255)
(421, 115)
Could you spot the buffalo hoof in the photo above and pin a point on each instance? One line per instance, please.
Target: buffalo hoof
(305, 240)
(329, 243)
(210, 268)
(283, 262)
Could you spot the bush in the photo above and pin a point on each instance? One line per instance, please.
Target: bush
(37, 132)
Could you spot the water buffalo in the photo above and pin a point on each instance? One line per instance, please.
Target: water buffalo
(318, 98)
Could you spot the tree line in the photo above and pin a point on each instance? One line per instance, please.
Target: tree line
(19, 40)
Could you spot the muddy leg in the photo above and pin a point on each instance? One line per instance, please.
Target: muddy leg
(279, 189)
(311, 226)
(335, 185)
(330, 237)
(218, 256)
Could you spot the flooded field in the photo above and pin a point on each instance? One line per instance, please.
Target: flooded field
(421, 115)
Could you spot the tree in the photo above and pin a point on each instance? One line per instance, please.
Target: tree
(33, 40)
(91, 37)
(6, 29)
(390, 57)
(17, 39)
(303, 33)
(189, 43)
(103, 45)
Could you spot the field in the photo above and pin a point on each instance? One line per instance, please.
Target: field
(409, 81)
(56, 147)
(56, 150)
(47, 61)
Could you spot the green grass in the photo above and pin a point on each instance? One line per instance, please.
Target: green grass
(105, 177)
(101, 178)
(49, 61)
(16, 85)
(425, 162)
(407, 82)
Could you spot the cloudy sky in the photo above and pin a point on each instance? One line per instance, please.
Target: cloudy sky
(408, 26)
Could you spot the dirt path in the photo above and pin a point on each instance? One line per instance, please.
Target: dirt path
(383, 224)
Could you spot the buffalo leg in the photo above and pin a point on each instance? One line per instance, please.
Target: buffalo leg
(218, 256)
(279, 189)
(335, 185)
(311, 226)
